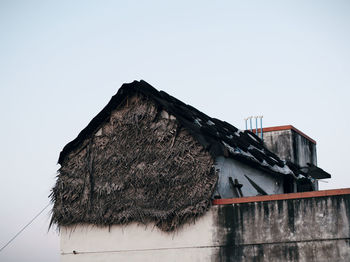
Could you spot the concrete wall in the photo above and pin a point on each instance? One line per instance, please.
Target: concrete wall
(292, 146)
(229, 167)
(311, 229)
(304, 150)
(281, 143)
(306, 229)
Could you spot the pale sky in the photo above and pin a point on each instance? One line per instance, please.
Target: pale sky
(61, 61)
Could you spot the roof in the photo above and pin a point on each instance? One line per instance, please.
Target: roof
(315, 172)
(218, 137)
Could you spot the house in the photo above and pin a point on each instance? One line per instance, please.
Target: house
(149, 159)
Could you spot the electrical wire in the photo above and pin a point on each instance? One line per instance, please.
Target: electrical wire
(31, 221)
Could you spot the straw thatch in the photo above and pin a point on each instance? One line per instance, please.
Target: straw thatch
(141, 165)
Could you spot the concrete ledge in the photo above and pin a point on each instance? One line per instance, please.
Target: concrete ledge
(321, 193)
(281, 128)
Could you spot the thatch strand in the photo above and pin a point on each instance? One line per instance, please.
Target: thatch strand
(140, 166)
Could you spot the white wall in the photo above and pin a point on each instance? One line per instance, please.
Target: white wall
(193, 242)
(229, 167)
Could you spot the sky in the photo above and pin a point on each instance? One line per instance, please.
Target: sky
(61, 61)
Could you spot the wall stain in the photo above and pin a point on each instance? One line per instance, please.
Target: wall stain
(260, 231)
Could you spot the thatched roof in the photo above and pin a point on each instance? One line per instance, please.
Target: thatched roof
(218, 137)
(148, 157)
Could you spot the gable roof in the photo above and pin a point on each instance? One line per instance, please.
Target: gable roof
(218, 137)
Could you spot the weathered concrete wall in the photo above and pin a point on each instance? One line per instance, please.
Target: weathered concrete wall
(304, 150)
(229, 167)
(307, 229)
(292, 146)
(310, 229)
(281, 143)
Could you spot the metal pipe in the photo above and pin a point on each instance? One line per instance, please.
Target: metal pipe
(256, 125)
(261, 129)
(246, 125)
(251, 125)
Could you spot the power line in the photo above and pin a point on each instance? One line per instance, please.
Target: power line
(31, 221)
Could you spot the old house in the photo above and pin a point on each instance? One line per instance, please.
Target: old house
(138, 181)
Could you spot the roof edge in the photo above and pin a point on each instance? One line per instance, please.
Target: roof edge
(285, 127)
(103, 115)
(321, 193)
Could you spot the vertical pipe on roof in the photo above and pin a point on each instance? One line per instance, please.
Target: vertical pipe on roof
(246, 125)
(251, 128)
(261, 129)
(256, 125)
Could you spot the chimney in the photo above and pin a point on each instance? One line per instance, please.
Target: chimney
(291, 144)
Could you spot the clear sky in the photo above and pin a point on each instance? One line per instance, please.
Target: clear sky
(61, 61)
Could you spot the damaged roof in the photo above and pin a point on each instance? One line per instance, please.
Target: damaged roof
(218, 137)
